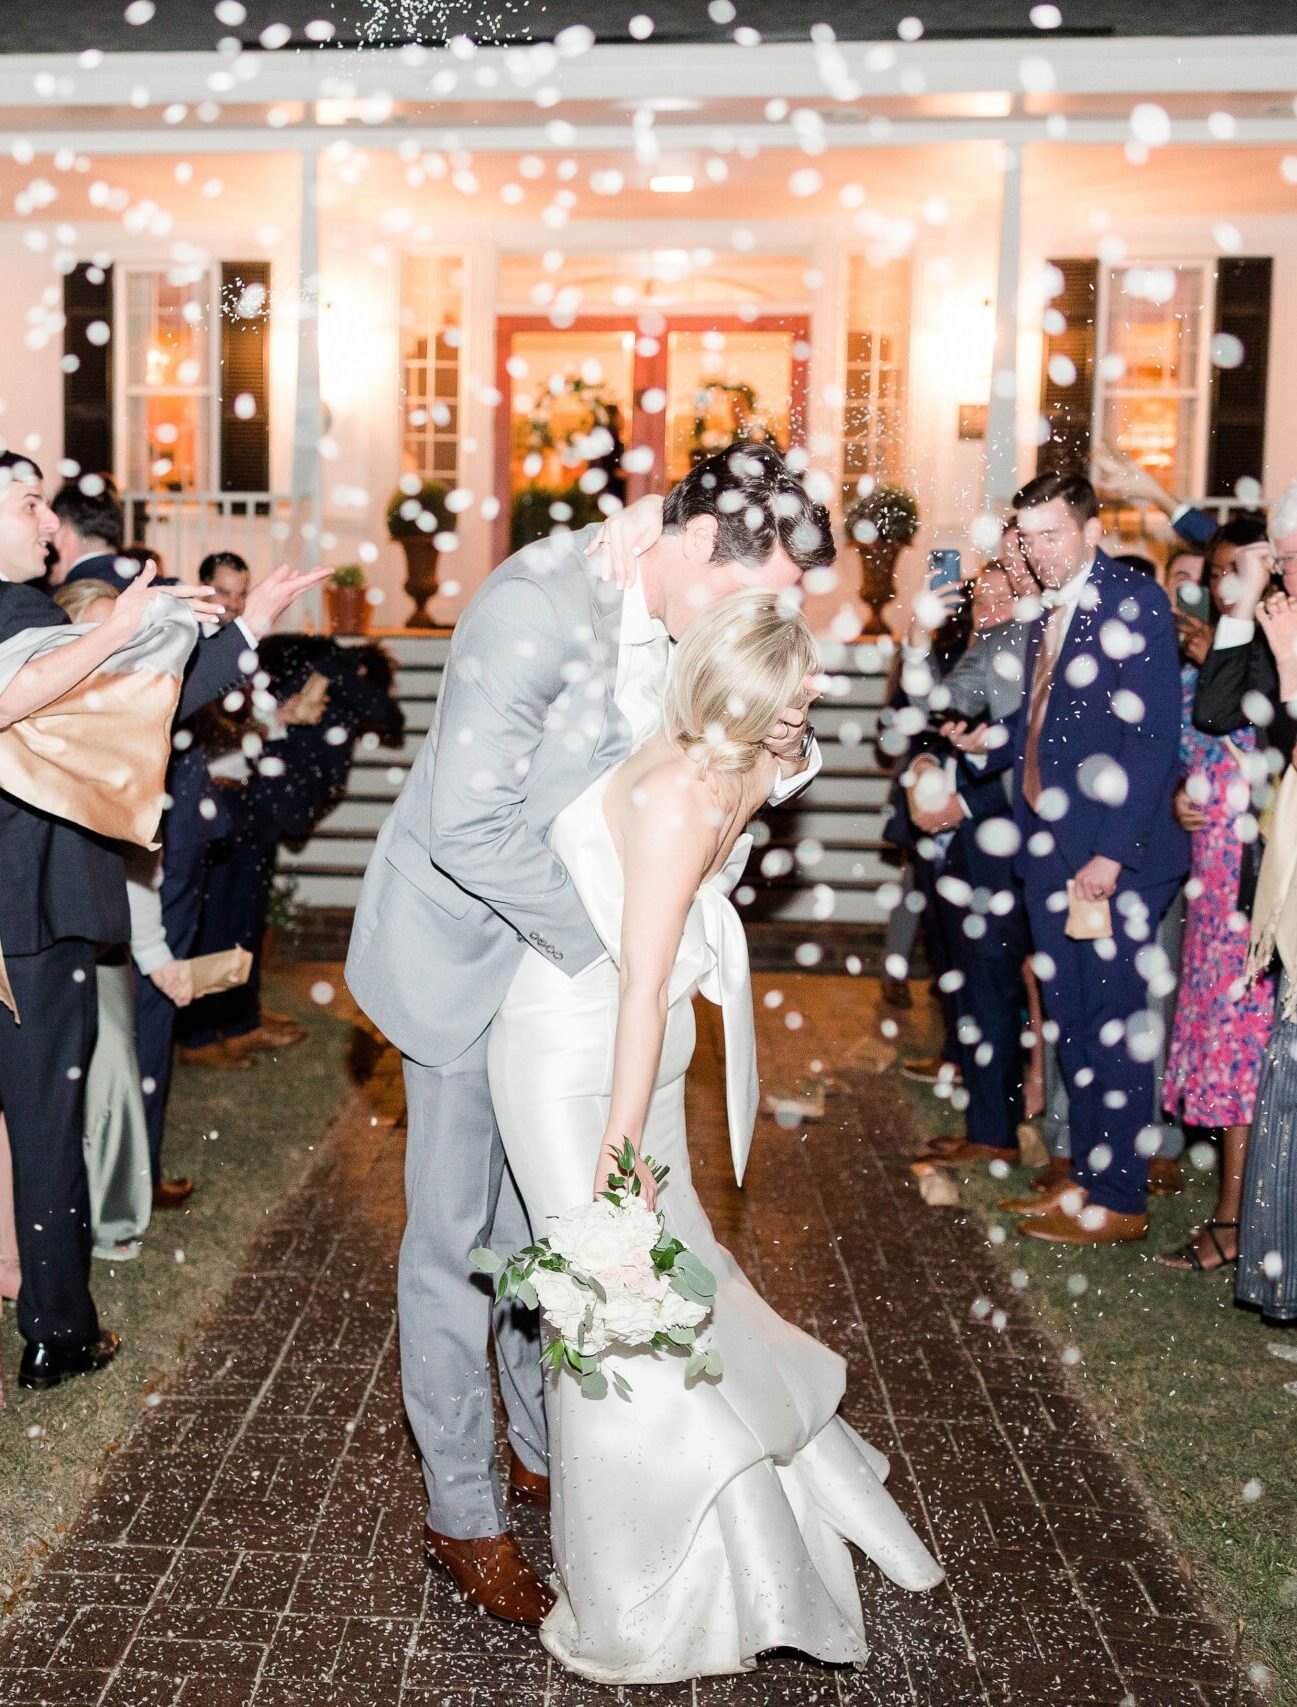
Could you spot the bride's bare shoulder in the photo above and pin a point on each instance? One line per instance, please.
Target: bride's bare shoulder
(667, 793)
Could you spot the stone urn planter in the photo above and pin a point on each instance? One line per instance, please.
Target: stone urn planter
(877, 580)
(880, 524)
(417, 513)
(421, 557)
(345, 601)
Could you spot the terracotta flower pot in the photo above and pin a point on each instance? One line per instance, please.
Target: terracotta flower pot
(348, 610)
(420, 578)
(877, 579)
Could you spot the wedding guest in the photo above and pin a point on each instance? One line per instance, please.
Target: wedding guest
(1093, 750)
(1241, 661)
(90, 537)
(1221, 1023)
(1267, 1252)
(116, 1139)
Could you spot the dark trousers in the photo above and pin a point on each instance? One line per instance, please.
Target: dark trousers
(1092, 999)
(236, 902)
(941, 948)
(155, 1014)
(990, 1006)
(43, 1064)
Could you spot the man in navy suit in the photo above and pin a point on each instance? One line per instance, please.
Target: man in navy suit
(1094, 753)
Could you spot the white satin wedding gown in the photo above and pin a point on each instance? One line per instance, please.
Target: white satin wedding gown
(692, 1528)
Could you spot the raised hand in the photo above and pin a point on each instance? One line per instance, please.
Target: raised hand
(270, 598)
(626, 536)
(1195, 637)
(1253, 565)
(1278, 619)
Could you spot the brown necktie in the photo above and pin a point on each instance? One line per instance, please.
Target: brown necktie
(1051, 643)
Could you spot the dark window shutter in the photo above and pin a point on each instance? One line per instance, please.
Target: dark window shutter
(1069, 408)
(1236, 426)
(88, 389)
(245, 371)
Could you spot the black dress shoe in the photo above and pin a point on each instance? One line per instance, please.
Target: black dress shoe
(45, 1366)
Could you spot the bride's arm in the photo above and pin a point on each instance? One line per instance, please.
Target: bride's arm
(668, 843)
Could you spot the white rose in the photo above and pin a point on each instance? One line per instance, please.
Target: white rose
(627, 1318)
(677, 1311)
(600, 1236)
(562, 1301)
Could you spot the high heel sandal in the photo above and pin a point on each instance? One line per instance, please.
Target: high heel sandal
(1187, 1259)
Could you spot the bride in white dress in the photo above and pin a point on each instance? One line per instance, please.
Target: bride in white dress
(693, 1528)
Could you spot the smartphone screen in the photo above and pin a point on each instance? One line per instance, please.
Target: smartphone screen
(943, 569)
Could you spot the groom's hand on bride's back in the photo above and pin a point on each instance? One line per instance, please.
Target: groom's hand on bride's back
(624, 538)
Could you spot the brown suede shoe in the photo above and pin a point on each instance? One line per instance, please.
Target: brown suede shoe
(283, 1027)
(1059, 1168)
(1065, 1196)
(1093, 1226)
(1165, 1178)
(492, 1574)
(219, 1054)
(966, 1155)
(527, 1487)
(172, 1193)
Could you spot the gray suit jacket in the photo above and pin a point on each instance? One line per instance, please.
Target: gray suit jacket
(462, 879)
(990, 675)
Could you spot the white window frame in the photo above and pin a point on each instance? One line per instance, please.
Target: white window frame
(1201, 390)
(456, 256)
(123, 391)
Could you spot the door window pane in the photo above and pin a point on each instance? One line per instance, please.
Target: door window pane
(168, 382)
(431, 335)
(1150, 369)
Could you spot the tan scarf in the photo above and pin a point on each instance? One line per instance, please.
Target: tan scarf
(1274, 912)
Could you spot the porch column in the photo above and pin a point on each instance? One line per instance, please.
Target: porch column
(308, 423)
(1001, 479)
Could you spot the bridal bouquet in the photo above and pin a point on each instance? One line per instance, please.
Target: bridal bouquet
(609, 1277)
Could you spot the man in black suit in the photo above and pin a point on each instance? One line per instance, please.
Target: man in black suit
(63, 892)
(1239, 675)
(90, 537)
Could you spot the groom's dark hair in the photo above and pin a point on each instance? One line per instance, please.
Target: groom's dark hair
(758, 503)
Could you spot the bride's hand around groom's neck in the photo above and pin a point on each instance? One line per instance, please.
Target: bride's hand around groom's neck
(624, 538)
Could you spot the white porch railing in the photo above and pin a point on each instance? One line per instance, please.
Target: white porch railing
(183, 527)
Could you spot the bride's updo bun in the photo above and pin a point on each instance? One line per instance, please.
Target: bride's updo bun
(740, 663)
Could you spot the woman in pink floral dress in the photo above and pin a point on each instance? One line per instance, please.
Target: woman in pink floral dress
(1221, 1024)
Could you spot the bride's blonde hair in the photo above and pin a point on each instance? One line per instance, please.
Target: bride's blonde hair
(740, 663)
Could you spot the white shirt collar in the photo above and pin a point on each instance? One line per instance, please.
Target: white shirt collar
(638, 628)
(1069, 593)
(87, 555)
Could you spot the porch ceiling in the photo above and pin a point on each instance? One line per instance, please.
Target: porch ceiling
(63, 26)
(419, 199)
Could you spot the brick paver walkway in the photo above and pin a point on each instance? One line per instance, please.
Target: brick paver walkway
(255, 1544)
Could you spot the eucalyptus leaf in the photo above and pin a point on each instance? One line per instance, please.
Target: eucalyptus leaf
(486, 1260)
(594, 1385)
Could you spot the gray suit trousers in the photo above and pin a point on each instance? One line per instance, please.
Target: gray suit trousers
(446, 1311)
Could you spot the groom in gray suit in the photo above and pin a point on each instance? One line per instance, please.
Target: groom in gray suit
(554, 674)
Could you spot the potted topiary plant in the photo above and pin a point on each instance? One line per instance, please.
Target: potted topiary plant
(416, 513)
(345, 600)
(880, 523)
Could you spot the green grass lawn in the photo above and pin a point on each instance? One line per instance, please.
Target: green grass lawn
(247, 1139)
(1190, 1392)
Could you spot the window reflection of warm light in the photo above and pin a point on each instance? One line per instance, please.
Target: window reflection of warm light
(156, 363)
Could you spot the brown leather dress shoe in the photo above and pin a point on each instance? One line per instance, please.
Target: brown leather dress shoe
(283, 1028)
(1065, 1196)
(220, 1054)
(527, 1487)
(265, 1040)
(1093, 1226)
(1165, 1177)
(171, 1193)
(1059, 1168)
(966, 1155)
(492, 1573)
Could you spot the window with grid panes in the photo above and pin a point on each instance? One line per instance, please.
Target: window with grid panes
(431, 333)
(877, 339)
